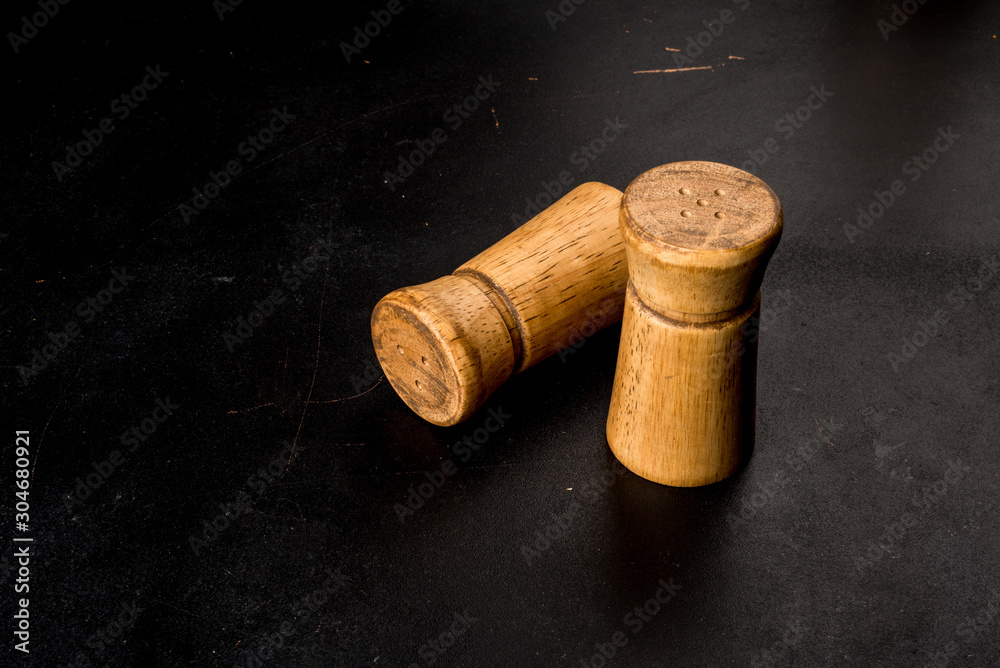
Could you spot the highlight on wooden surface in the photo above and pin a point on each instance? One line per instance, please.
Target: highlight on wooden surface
(446, 345)
(698, 236)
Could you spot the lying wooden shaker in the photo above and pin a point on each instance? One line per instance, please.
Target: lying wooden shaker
(445, 346)
(698, 236)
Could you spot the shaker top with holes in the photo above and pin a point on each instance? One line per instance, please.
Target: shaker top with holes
(698, 236)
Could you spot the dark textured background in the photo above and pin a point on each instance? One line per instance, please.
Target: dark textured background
(850, 452)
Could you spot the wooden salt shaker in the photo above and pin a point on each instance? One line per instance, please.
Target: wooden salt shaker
(698, 236)
(446, 345)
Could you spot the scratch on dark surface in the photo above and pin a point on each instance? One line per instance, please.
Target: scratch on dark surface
(187, 612)
(279, 517)
(283, 369)
(41, 439)
(823, 29)
(319, 346)
(494, 112)
(340, 127)
(680, 69)
(174, 210)
(576, 97)
(528, 462)
(252, 408)
(333, 401)
(824, 435)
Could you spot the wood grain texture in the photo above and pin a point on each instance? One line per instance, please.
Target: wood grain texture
(699, 267)
(562, 264)
(683, 402)
(445, 346)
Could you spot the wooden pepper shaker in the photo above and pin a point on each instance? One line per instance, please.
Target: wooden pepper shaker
(698, 236)
(446, 345)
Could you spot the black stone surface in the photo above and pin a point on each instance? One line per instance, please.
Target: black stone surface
(863, 530)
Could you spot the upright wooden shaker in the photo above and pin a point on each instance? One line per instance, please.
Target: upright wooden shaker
(698, 236)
